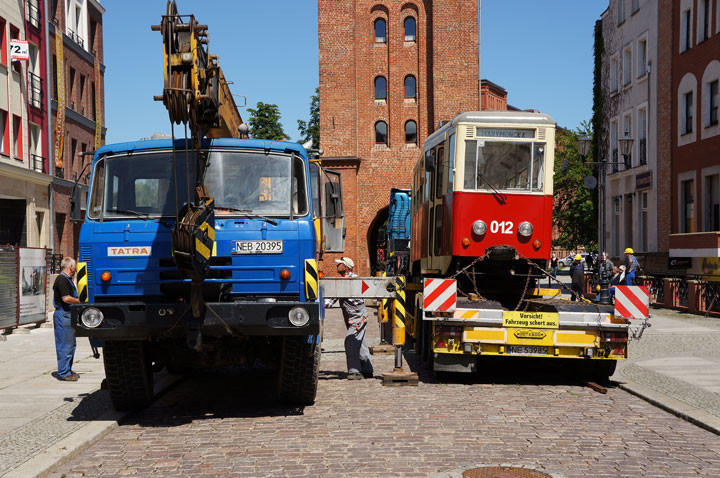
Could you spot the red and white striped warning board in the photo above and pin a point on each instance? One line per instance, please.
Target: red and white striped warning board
(439, 295)
(632, 302)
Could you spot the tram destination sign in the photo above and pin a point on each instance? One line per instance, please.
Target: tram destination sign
(505, 133)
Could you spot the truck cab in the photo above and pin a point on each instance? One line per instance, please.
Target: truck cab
(262, 296)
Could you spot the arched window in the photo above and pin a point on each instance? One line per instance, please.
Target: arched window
(410, 29)
(380, 88)
(410, 87)
(380, 36)
(381, 136)
(411, 132)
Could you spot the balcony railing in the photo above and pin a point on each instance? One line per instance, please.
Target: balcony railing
(35, 90)
(32, 12)
(38, 163)
(76, 38)
(642, 150)
(614, 160)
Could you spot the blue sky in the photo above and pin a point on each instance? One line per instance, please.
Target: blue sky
(269, 51)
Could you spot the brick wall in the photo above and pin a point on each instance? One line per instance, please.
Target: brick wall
(443, 59)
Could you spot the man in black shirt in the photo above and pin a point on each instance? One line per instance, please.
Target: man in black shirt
(64, 294)
(577, 276)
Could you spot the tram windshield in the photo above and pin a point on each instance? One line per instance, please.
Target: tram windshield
(504, 165)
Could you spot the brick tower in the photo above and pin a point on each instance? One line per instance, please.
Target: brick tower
(390, 70)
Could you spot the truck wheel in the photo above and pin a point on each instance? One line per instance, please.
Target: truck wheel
(603, 369)
(129, 374)
(299, 366)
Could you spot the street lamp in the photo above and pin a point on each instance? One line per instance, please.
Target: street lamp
(583, 147)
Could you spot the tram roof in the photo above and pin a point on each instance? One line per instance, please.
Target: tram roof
(499, 117)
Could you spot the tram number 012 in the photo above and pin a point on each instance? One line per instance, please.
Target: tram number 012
(503, 227)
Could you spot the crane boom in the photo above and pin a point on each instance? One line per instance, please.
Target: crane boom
(196, 94)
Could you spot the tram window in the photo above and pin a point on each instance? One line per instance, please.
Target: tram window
(539, 166)
(470, 171)
(502, 165)
(430, 231)
(451, 164)
(429, 175)
(438, 229)
(380, 31)
(439, 169)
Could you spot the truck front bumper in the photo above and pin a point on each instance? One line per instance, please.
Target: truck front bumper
(140, 320)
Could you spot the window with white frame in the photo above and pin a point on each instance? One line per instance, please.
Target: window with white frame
(627, 65)
(687, 108)
(35, 147)
(614, 145)
(642, 136)
(644, 221)
(711, 203)
(635, 6)
(76, 21)
(685, 30)
(621, 11)
(712, 103)
(617, 209)
(687, 206)
(627, 133)
(704, 17)
(614, 73)
(642, 57)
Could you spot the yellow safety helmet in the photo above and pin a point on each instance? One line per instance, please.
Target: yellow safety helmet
(578, 257)
(629, 251)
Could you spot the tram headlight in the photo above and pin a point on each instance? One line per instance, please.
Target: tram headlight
(298, 316)
(92, 317)
(479, 228)
(525, 229)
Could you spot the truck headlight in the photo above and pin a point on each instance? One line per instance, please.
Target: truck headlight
(525, 229)
(479, 228)
(298, 316)
(91, 317)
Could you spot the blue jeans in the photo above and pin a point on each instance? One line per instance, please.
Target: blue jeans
(64, 342)
(630, 278)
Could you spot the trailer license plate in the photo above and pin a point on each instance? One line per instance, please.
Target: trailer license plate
(526, 350)
(257, 247)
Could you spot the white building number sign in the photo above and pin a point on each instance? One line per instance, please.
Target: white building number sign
(19, 50)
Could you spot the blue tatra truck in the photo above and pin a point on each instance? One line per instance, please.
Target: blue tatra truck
(261, 295)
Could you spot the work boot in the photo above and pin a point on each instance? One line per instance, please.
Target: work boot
(354, 376)
(72, 377)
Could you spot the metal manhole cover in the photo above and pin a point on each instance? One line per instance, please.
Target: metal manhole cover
(503, 472)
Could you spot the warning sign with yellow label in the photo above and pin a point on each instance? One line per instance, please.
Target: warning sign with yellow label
(536, 320)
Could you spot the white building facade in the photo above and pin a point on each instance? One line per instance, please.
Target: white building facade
(630, 94)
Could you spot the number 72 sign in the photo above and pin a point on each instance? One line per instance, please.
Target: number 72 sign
(19, 50)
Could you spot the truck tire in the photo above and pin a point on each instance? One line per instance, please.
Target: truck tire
(129, 374)
(602, 370)
(298, 375)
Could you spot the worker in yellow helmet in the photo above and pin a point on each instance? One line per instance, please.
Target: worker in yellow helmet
(631, 265)
(577, 276)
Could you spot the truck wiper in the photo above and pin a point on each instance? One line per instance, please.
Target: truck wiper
(143, 215)
(247, 214)
(498, 195)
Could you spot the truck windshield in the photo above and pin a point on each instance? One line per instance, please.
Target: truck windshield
(144, 184)
(504, 165)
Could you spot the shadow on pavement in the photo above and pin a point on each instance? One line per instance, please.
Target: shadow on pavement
(508, 371)
(231, 392)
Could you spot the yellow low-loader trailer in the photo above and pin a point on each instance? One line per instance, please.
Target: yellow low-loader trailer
(452, 340)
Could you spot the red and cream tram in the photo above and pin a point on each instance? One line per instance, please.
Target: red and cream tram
(482, 194)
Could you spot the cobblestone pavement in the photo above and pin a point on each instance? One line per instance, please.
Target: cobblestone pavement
(688, 343)
(223, 424)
